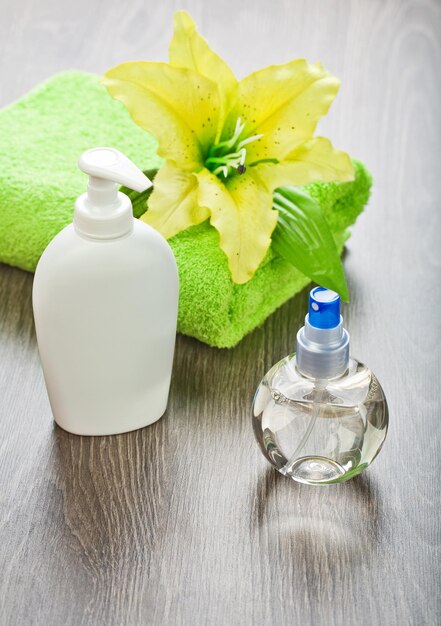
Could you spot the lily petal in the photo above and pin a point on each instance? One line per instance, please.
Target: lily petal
(189, 49)
(284, 103)
(316, 159)
(173, 205)
(178, 106)
(241, 211)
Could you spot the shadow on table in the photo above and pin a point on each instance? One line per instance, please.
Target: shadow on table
(336, 525)
(113, 490)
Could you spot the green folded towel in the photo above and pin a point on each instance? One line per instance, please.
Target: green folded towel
(42, 136)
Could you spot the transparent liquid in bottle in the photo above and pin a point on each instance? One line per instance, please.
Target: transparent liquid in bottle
(320, 431)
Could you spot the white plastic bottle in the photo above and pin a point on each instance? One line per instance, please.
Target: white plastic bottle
(105, 301)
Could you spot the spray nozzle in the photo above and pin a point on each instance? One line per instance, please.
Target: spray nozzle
(104, 212)
(324, 308)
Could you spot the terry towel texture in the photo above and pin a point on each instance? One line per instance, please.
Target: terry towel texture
(43, 134)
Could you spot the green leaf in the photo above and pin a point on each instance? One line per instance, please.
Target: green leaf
(139, 200)
(303, 238)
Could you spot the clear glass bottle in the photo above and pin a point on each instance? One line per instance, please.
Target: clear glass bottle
(320, 416)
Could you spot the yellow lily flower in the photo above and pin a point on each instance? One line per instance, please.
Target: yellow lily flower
(228, 144)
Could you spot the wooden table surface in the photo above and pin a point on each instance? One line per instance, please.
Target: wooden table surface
(184, 522)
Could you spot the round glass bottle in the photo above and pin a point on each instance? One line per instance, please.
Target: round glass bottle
(313, 421)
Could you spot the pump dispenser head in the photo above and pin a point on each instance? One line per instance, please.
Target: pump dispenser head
(322, 343)
(103, 212)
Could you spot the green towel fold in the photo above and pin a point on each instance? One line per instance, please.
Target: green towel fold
(42, 136)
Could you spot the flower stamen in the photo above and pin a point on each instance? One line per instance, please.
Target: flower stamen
(229, 143)
(249, 140)
(228, 157)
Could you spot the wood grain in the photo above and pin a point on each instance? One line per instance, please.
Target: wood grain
(183, 522)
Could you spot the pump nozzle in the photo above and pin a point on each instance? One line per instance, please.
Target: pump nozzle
(103, 212)
(110, 164)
